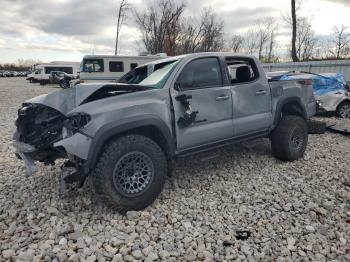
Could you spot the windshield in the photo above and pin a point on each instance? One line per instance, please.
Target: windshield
(158, 78)
(135, 76)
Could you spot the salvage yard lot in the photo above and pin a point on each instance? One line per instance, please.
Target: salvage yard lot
(294, 211)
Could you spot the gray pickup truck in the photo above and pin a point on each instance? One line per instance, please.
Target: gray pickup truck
(125, 136)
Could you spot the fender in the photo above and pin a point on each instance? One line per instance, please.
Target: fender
(114, 128)
(285, 101)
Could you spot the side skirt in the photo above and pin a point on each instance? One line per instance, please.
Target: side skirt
(219, 144)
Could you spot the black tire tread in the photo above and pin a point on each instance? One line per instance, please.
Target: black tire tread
(279, 143)
(102, 191)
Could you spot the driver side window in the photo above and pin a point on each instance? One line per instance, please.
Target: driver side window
(201, 73)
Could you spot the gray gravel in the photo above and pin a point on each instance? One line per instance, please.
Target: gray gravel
(295, 211)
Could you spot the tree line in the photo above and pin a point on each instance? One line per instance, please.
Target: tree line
(20, 66)
(165, 29)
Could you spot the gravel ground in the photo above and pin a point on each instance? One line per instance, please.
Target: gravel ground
(296, 211)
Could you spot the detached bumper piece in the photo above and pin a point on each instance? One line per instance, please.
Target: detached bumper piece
(23, 151)
(339, 129)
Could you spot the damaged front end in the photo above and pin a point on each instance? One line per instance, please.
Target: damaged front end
(38, 128)
(48, 129)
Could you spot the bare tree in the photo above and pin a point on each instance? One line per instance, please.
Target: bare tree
(294, 31)
(340, 42)
(251, 42)
(265, 29)
(190, 37)
(306, 40)
(212, 29)
(165, 30)
(271, 46)
(160, 26)
(123, 8)
(236, 43)
(260, 39)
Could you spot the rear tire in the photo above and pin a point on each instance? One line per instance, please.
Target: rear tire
(289, 139)
(130, 173)
(343, 110)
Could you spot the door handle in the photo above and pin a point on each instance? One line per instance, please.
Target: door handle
(222, 98)
(261, 92)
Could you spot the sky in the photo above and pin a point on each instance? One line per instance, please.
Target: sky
(66, 30)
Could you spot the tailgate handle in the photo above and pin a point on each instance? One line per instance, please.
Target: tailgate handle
(222, 97)
(261, 92)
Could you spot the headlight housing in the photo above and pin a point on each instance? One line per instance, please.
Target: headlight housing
(76, 121)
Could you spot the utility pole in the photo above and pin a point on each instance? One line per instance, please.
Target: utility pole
(294, 34)
(123, 8)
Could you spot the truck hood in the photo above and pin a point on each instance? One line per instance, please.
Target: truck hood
(65, 100)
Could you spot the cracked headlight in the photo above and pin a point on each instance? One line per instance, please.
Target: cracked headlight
(75, 122)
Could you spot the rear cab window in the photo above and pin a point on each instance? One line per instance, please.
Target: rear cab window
(241, 70)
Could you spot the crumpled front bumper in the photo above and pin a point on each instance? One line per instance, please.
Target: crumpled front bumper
(24, 151)
(77, 144)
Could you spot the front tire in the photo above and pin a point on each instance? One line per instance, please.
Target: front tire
(289, 139)
(343, 110)
(130, 173)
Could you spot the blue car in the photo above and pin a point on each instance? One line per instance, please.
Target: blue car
(330, 89)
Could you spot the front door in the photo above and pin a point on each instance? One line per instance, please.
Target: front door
(201, 80)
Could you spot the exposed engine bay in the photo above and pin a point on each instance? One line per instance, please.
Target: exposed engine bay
(40, 126)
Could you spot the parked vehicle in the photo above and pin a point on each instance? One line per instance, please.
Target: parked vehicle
(125, 136)
(46, 69)
(99, 68)
(42, 72)
(7, 74)
(330, 89)
(31, 77)
(61, 78)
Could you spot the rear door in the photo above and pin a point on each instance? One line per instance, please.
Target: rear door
(202, 80)
(252, 110)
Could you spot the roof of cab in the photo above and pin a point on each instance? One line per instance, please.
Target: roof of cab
(122, 56)
(201, 54)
